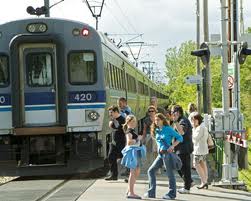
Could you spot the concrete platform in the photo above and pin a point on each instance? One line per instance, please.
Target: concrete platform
(102, 190)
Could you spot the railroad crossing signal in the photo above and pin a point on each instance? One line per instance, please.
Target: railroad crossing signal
(243, 53)
(203, 53)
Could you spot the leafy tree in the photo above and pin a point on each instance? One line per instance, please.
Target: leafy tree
(179, 64)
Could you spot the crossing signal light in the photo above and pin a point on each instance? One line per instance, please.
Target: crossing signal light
(38, 11)
(243, 53)
(203, 53)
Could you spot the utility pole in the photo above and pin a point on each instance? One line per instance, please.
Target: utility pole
(225, 100)
(198, 59)
(148, 68)
(132, 44)
(47, 5)
(207, 89)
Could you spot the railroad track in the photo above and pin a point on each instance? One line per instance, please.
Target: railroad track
(68, 188)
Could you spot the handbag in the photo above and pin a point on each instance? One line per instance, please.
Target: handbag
(210, 143)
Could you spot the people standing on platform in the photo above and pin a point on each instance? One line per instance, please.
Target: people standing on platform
(151, 146)
(132, 154)
(154, 102)
(147, 122)
(164, 135)
(118, 141)
(168, 114)
(191, 108)
(183, 126)
(200, 136)
(124, 108)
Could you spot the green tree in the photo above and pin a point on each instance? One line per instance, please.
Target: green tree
(179, 64)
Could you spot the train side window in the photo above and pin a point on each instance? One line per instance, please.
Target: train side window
(112, 76)
(82, 68)
(4, 71)
(39, 69)
(134, 85)
(107, 76)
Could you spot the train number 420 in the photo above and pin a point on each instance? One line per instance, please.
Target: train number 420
(83, 97)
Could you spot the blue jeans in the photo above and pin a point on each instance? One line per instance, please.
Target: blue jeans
(158, 163)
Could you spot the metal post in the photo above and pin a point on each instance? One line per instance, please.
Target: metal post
(47, 5)
(224, 69)
(198, 59)
(208, 106)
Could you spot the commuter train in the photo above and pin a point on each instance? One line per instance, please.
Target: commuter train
(57, 78)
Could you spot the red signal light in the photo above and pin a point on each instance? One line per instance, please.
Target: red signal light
(85, 32)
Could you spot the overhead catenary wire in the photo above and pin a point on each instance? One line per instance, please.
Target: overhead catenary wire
(116, 19)
(125, 16)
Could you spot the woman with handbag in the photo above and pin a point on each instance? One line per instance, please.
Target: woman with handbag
(200, 138)
(164, 135)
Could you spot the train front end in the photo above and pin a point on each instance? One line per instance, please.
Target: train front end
(52, 97)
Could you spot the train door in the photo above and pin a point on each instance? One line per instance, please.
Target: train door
(38, 84)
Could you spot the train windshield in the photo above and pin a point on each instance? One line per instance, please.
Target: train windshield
(39, 69)
(4, 71)
(82, 68)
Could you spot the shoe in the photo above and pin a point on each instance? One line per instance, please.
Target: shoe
(133, 197)
(146, 195)
(183, 191)
(126, 180)
(125, 174)
(203, 186)
(110, 178)
(167, 197)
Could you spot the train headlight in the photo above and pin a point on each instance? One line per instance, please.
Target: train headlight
(36, 28)
(92, 115)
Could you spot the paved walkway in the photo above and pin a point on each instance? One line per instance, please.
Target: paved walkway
(103, 190)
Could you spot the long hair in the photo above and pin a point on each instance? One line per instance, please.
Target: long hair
(154, 126)
(129, 118)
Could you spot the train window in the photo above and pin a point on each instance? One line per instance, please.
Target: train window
(4, 71)
(112, 76)
(39, 69)
(107, 75)
(116, 77)
(82, 68)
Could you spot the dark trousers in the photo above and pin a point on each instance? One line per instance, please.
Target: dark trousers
(185, 171)
(113, 155)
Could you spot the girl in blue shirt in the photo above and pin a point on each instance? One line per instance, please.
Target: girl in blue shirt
(164, 136)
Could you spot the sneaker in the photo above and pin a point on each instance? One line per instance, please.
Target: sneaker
(125, 174)
(167, 197)
(146, 195)
(111, 178)
(183, 191)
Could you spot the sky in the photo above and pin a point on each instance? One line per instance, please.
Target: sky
(163, 23)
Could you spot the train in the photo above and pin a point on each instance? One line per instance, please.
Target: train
(57, 79)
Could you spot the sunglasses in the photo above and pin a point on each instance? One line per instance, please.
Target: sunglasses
(151, 111)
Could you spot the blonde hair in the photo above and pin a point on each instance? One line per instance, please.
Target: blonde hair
(129, 118)
(154, 126)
